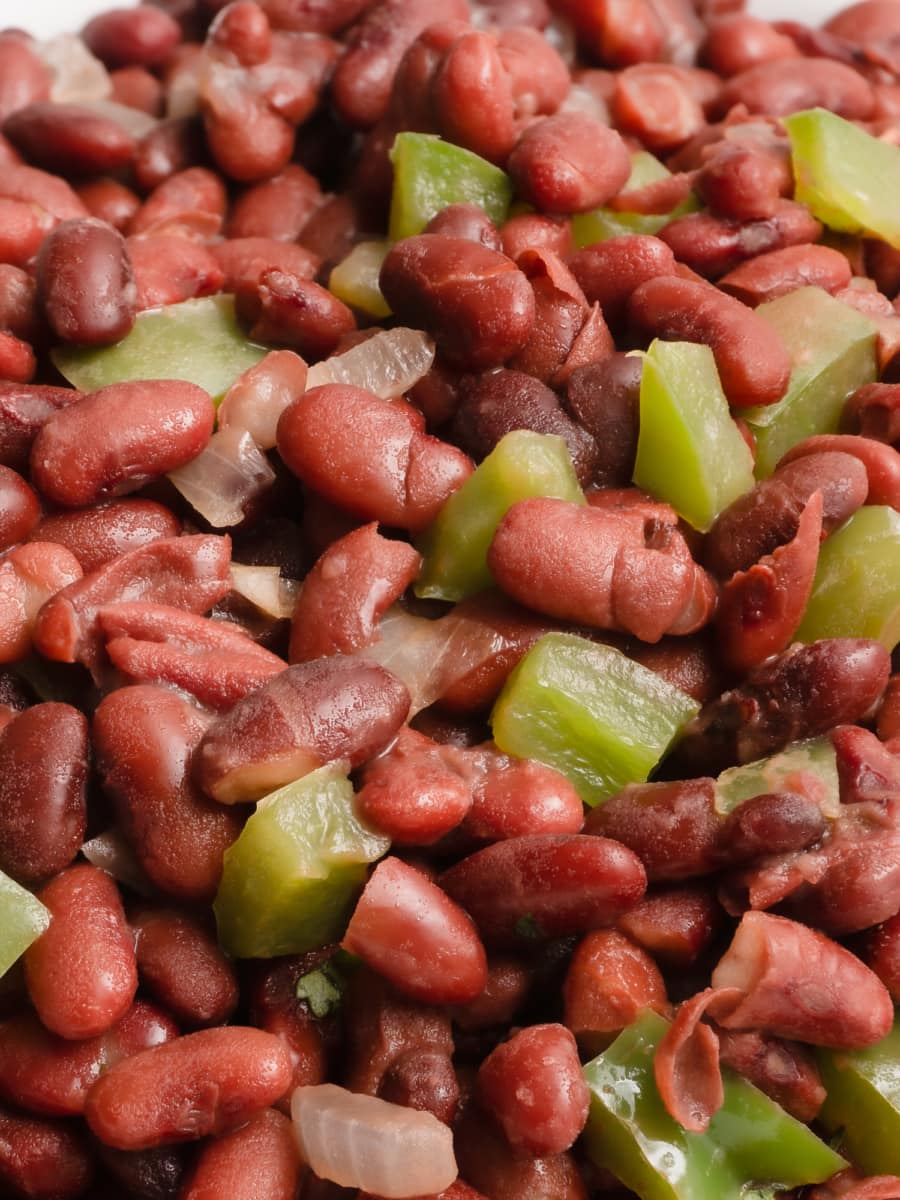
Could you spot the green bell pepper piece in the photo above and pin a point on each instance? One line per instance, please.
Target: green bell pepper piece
(289, 881)
(455, 545)
(833, 351)
(751, 1149)
(856, 589)
(24, 919)
(602, 223)
(847, 178)
(199, 341)
(814, 756)
(690, 452)
(355, 279)
(586, 709)
(430, 173)
(863, 1102)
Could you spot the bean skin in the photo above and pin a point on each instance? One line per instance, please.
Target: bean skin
(610, 271)
(474, 301)
(180, 962)
(203, 1083)
(100, 534)
(81, 972)
(42, 1159)
(609, 980)
(85, 283)
(70, 139)
(123, 37)
(569, 163)
(24, 408)
(259, 1161)
(881, 462)
(19, 508)
(768, 276)
(786, 85)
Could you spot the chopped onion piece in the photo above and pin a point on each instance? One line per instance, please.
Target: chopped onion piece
(264, 588)
(259, 396)
(224, 477)
(135, 122)
(110, 852)
(359, 1141)
(582, 100)
(77, 74)
(388, 364)
(430, 656)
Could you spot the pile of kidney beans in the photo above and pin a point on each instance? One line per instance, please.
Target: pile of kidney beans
(141, 694)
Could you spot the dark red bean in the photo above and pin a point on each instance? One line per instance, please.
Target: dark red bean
(674, 924)
(259, 1161)
(496, 1169)
(785, 1071)
(618, 35)
(872, 410)
(181, 964)
(18, 304)
(47, 191)
(24, 408)
(476, 303)
(310, 714)
(111, 201)
(31, 574)
(569, 163)
(85, 284)
(123, 37)
(882, 954)
(543, 886)
(22, 229)
(167, 149)
(408, 930)
(657, 103)
(19, 508)
(204, 1083)
(81, 971)
(43, 769)
(604, 398)
(281, 309)
(785, 85)
(533, 1086)
(273, 1006)
(72, 139)
(41, 1159)
(23, 76)
(17, 360)
(277, 208)
(98, 535)
(243, 260)
(144, 1174)
(711, 245)
(771, 275)
(118, 438)
(609, 271)
(881, 462)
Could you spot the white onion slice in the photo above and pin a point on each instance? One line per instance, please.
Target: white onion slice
(388, 364)
(77, 75)
(362, 1142)
(265, 589)
(135, 122)
(110, 852)
(259, 396)
(430, 656)
(224, 477)
(582, 100)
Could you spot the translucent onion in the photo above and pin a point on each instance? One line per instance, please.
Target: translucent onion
(224, 477)
(77, 75)
(259, 396)
(264, 588)
(430, 656)
(359, 1141)
(388, 364)
(135, 122)
(110, 852)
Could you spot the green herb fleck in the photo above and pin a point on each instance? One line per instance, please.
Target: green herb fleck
(322, 989)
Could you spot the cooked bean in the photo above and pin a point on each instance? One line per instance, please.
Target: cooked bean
(259, 1161)
(569, 163)
(281, 309)
(123, 37)
(785, 85)
(277, 208)
(111, 201)
(738, 41)
(181, 964)
(768, 276)
(19, 508)
(22, 229)
(881, 462)
(486, 1157)
(23, 76)
(676, 924)
(882, 954)
(609, 980)
(872, 410)
(610, 271)
(466, 221)
(72, 139)
(24, 408)
(168, 148)
(85, 283)
(168, 269)
(203, 1083)
(656, 103)
(743, 181)
(180, 197)
(137, 88)
(514, 797)
(30, 575)
(98, 535)
(712, 245)
(41, 1159)
(244, 260)
(472, 97)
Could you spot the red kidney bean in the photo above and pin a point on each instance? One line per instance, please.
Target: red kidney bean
(888, 725)
(514, 797)
(29, 576)
(85, 284)
(23, 410)
(51, 1075)
(110, 201)
(43, 765)
(783, 1070)
(688, 663)
(753, 364)
(18, 304)
(242, 30)
(738, 41)
(168, 269)
(609, 980)
(675, 924)
(476, 303)
(46, 191)
(118, 438)
(277, 208)
(616, 34)
(311, 16)
(123, 37)
(533, 1086)
(170, 147)
(544, 886)
(17, 360)
(744, 181)
(604, 397)
(532, 231)
(81, 972)
(496, 1169)
(408, 930)
(771, 275)
(610, 271)
(281, 309)
(882, 954)
(41, 1159)
(179, 198)
(203, 1083)
(22, 229)
(136, 88)
(72, 139)
(259, 1161)
(23, 76)
(872, 411)
(615, 572)
(881, 462)
(144, 1174)
(369, 456)
(711, 246)
(244, 260)
(310, 714)
(472, 99)
(466, 221)
(507, 986)
(19, 508)
(180, 962)
(569, 163)
(187, 572)
(657, 103)
(144, 737)
(98, 535)
(273, 1006)
(786, 85)
(771, 823)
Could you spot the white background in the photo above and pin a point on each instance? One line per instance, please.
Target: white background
(45, 17)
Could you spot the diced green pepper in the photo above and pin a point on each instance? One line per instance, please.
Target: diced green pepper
(355, 279)
(24, 920)
(690, 452)
(199, 341)
(586, 709)
(751, 1149)
(455, 545)
(814, 758)
(603, 223)
(430, 173)
(856, 589)
(847, 178)
(289, 881)
(863, 1102)
(833, 351)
